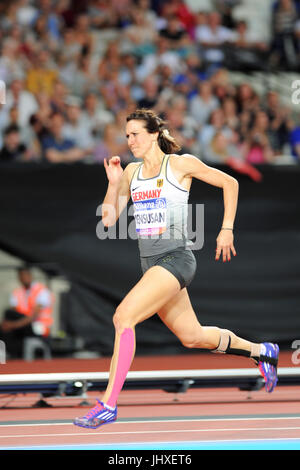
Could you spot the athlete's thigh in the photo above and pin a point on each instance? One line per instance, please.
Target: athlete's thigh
(155, 288)
(179, 316)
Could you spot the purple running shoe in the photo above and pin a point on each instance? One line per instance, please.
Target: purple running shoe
(100, 414)
(267, 365)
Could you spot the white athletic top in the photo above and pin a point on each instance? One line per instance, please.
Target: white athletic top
(160, 210)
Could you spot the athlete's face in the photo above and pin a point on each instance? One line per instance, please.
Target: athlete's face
(139, 140)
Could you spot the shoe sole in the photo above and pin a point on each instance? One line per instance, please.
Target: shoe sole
(94, 427)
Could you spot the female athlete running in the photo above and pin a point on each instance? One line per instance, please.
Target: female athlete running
(159, 188)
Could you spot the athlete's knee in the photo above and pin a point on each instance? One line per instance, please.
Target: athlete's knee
(201, 337)
(190, 342)
(192, 339)
(122, 319)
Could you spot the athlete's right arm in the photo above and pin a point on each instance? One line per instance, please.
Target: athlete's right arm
(118, 191)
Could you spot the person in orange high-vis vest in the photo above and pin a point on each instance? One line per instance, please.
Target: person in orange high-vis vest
(30, 313)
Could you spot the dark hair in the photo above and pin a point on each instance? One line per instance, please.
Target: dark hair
(12, 128)
(24, 267)
(153, 124)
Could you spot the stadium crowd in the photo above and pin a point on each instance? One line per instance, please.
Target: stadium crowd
(74, 69)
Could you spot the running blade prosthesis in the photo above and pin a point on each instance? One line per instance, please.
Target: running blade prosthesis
(97, 416)
(268, 365)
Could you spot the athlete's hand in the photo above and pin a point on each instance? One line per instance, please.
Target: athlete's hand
(113, 169)
(225, 245)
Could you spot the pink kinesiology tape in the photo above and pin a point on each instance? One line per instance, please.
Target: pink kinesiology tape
(126, 348)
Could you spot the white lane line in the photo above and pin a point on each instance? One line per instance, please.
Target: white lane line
(151, 432)
(145, 421)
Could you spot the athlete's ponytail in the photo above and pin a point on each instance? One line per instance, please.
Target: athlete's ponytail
(153, 124)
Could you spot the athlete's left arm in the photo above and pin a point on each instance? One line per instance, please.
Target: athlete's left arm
(192, 167)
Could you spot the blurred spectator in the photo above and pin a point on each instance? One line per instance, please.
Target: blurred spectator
(75, 128)
(95, 116)
(11, 66)
(32, 129)
(82, 75)
(115, 95)
(173, 31)
(166, 77)
(23, 49)
(111, 144)
(9, 117)
(65, 10)
(245, 124)
(42, 76)
(184, 84)
(226, 10)
(127, 73)
(247, 52)
(56, 148)
(41, 34)
(33, 135)
(183, 126)
(245, 39)
(22, 99)
(70, 49)
(102, 15)
(163, 56)
(222, 91)
(150, 93)
(30, 314)
(279, 119)
(121, 7)
(258, 148)
(181, 10)
(284, 46)
(26, 12)
(44, 107)
(246, 99)
(187, 47)
(12, 121)
(141, 34)
(110, 62)
(219, 149)
(216, 123)
(13, 149)
(59, 96)
(212, 37)
(201, 19)
(122, 54)
(8, 15)
(202, 104)
(232, 118)
(82, 34)
(221, 78)
(53, 23)
(149, 12)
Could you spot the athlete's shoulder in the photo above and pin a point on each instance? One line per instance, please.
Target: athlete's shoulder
(130, 170)
(132, 165)
(181, 161)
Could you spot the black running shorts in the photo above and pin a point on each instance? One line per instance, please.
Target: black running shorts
(180, 262)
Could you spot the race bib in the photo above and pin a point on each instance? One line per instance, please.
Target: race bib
(151, 216)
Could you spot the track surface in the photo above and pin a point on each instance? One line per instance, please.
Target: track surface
(198, 419)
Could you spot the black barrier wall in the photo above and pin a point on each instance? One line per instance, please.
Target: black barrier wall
(49, 215)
